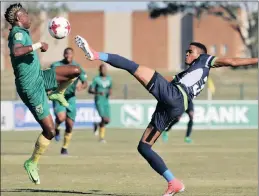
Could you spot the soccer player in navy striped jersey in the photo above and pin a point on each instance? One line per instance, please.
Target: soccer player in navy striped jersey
(172, 96)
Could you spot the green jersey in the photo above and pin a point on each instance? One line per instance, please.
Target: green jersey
(71, 90)
(102, 84)
(27, 69)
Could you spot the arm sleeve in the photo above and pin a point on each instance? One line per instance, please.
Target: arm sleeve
(93, 85)
(53, 65)
(19, 38)
(208, 60)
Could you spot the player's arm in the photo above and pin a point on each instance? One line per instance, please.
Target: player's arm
(19, 48)
(233, 62)
(110, 89)
(83, 79)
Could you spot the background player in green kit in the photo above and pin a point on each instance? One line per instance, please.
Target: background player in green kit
(101, 87)
(32, 82)
(62, 113)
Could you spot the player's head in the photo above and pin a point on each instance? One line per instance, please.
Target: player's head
(103, 70)
(194, 51)
(16, 15)
(68, 54)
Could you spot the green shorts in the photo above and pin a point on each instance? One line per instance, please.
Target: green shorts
(50, 80)
(59, 108)
(103, 109)
(37, 101)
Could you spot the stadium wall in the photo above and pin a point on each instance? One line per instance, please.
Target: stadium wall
(136, 114)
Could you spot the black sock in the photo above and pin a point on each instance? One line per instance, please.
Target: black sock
(189, 128)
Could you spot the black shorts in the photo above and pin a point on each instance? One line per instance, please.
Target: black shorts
(170, 102)
(190, 107)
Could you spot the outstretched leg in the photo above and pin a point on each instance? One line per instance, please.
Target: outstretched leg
(156, 84)
(141, 73)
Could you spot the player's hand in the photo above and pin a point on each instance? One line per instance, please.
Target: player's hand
(101, 93)
(44, 47)
(79, 88)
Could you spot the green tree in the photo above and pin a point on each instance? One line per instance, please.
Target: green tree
(227, 11)
(34, 9)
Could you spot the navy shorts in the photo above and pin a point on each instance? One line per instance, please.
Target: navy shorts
(170, 102)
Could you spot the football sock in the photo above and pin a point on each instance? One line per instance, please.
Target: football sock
(67, 138)
(102, 132)
(189, 128)
(118, 62)
(64, 85)
(155, 161)
(40, 147)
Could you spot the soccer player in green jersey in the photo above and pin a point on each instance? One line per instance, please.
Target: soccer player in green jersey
(101, 87)
(62, 113)
(32, 82)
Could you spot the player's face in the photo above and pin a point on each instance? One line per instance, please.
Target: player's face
(68, 55)
(191, 54)
(104, 70)
(24, 19)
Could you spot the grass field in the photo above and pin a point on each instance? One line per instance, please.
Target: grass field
(218, 163)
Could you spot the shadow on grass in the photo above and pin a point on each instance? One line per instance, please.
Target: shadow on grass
(90, 192)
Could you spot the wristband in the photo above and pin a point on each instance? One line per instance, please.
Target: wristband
(36, 46)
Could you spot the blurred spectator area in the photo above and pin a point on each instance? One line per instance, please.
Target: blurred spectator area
(230, 85)
(159, 43)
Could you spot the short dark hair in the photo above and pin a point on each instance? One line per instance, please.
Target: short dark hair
(11, 12)
(101, 66)
(68, 48)
(200, 45)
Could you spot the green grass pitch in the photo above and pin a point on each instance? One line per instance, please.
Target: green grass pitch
(218, 163)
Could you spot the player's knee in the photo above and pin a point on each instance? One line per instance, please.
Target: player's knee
(190, 114)
(191, 117)
(49, 132)
(144, 149)
(69, 129)
(106, 121)
(101, 124)
(60, 119)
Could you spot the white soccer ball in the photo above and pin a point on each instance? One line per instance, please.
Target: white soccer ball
(59, 27)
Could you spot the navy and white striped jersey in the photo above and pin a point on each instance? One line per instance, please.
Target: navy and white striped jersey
(195, 77)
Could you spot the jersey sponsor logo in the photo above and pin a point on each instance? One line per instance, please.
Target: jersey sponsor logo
(39, 109)
(18, 36)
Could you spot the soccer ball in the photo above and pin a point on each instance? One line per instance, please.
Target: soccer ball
(59, 27)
